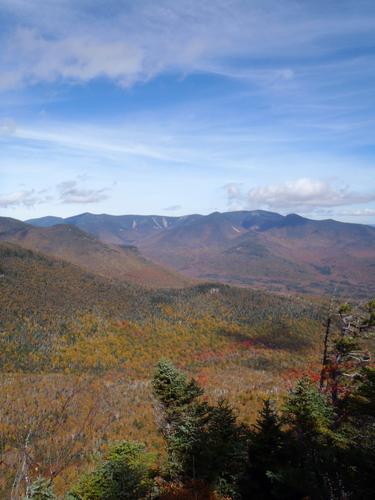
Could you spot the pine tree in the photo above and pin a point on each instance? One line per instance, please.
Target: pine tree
(267, 458)
(40, 489)
(174, 393)
(315, 444)
(204, 442)
(358, 426)
(124, 474)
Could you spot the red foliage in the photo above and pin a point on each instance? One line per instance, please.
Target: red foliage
(294, 374)
(247, 343)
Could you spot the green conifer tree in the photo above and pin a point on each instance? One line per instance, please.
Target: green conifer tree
(124, 474)
(40, 489)
(204, 442)
(267, 458)
(314, 442)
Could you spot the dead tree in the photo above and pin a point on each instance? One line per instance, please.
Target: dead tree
(344, 348)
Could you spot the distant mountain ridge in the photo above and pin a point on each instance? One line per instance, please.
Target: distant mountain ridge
(116, 228)
(248, 248)
(70, 243)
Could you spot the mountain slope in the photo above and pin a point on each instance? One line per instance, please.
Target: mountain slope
(44, 289)
(257, 248)
(75, 246)
(273, 252)
(118, 229)
(46, 221)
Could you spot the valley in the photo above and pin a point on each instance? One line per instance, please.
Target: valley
(187, 250)
(89, 308)
(67, 242)
(287, 254)
(77, 340)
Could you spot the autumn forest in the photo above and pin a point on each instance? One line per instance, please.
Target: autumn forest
(187, 250)
(100, 373)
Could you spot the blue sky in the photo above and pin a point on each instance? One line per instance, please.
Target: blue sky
(191, 106)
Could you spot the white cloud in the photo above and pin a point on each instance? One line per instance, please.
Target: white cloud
(74, 58)
(71, 192)
(234, 191)
(304, 98)
(301, 195)
(130, 42)
(28, 198)
(360, 212)
(7, 126)
(105, 140)
(67, 192)
(173, 208)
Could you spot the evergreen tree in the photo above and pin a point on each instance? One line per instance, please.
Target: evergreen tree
(174, 394)
(40, 489)
(307, 411)
(172, 387)
(267, 458)
(358, 425)
(315, 444)
(125, 474)
(204, 442)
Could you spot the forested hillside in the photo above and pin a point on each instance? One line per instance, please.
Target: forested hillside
(120, 262)
(249, 248)
(187, 250)
(83, 345)
(77, 356)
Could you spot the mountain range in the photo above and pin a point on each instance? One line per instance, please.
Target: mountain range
(247, 248)
(69, 243)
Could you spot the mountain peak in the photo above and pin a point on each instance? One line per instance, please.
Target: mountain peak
(246, 247)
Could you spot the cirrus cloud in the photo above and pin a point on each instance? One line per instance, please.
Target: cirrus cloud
(130, 42)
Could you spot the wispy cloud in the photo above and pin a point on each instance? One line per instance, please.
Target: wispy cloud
(7, 126)
(65, 40)
(254, 91)
(25, 198)
(101, 140)
(71, 192)
(173, 208)
(360, 212)
(68, 192)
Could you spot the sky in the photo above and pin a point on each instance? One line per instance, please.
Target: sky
(189, 106)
